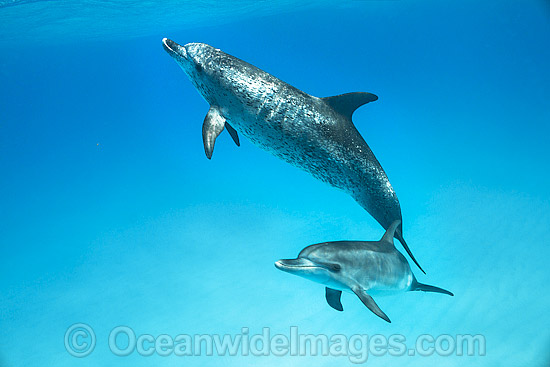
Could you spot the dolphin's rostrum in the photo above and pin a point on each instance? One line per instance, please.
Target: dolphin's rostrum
(364, 268)
(314, 134)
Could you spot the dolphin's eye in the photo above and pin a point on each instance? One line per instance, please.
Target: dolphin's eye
(198, 68)
(335, 267)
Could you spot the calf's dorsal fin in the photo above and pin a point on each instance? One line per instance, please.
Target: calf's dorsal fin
(390, 232)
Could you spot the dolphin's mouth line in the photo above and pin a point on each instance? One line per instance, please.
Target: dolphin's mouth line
(300, 267)
(169, 46)
(282, 265)
(166, 45)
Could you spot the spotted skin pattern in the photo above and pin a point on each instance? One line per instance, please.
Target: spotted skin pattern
(303, 130)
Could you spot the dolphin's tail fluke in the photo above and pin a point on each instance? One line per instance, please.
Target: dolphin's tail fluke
(416, 286)
(406, 247)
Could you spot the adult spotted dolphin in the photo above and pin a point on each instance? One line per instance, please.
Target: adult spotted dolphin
(315, 134)
(364, 268)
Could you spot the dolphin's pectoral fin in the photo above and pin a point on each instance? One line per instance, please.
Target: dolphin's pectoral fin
(333, 298)
(212, 127)
(369, 302)
(346, 104)
(233, 134)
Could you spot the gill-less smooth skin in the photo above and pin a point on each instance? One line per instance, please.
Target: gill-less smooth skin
(314, 134)
(365, 268)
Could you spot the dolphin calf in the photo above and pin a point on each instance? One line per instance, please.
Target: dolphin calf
(314, 134)
(365, 268)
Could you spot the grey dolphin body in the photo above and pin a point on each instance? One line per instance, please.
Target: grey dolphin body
(314, 134)
(364, 268)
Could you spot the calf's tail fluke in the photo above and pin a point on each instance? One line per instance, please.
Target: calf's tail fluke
(406, 247)
(416, 286)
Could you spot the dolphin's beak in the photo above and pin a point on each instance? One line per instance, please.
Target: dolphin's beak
(294, 265)
(174, 49)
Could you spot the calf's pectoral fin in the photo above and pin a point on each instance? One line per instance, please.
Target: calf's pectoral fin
(233, 134)
(369, 302)
(212, 126)
(333, 298)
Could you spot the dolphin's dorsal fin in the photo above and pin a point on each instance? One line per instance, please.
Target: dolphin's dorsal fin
(390, 232)
(333, 298)
(212, 126)
(346, 104)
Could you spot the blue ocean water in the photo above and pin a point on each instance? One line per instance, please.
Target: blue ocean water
(111, 215)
